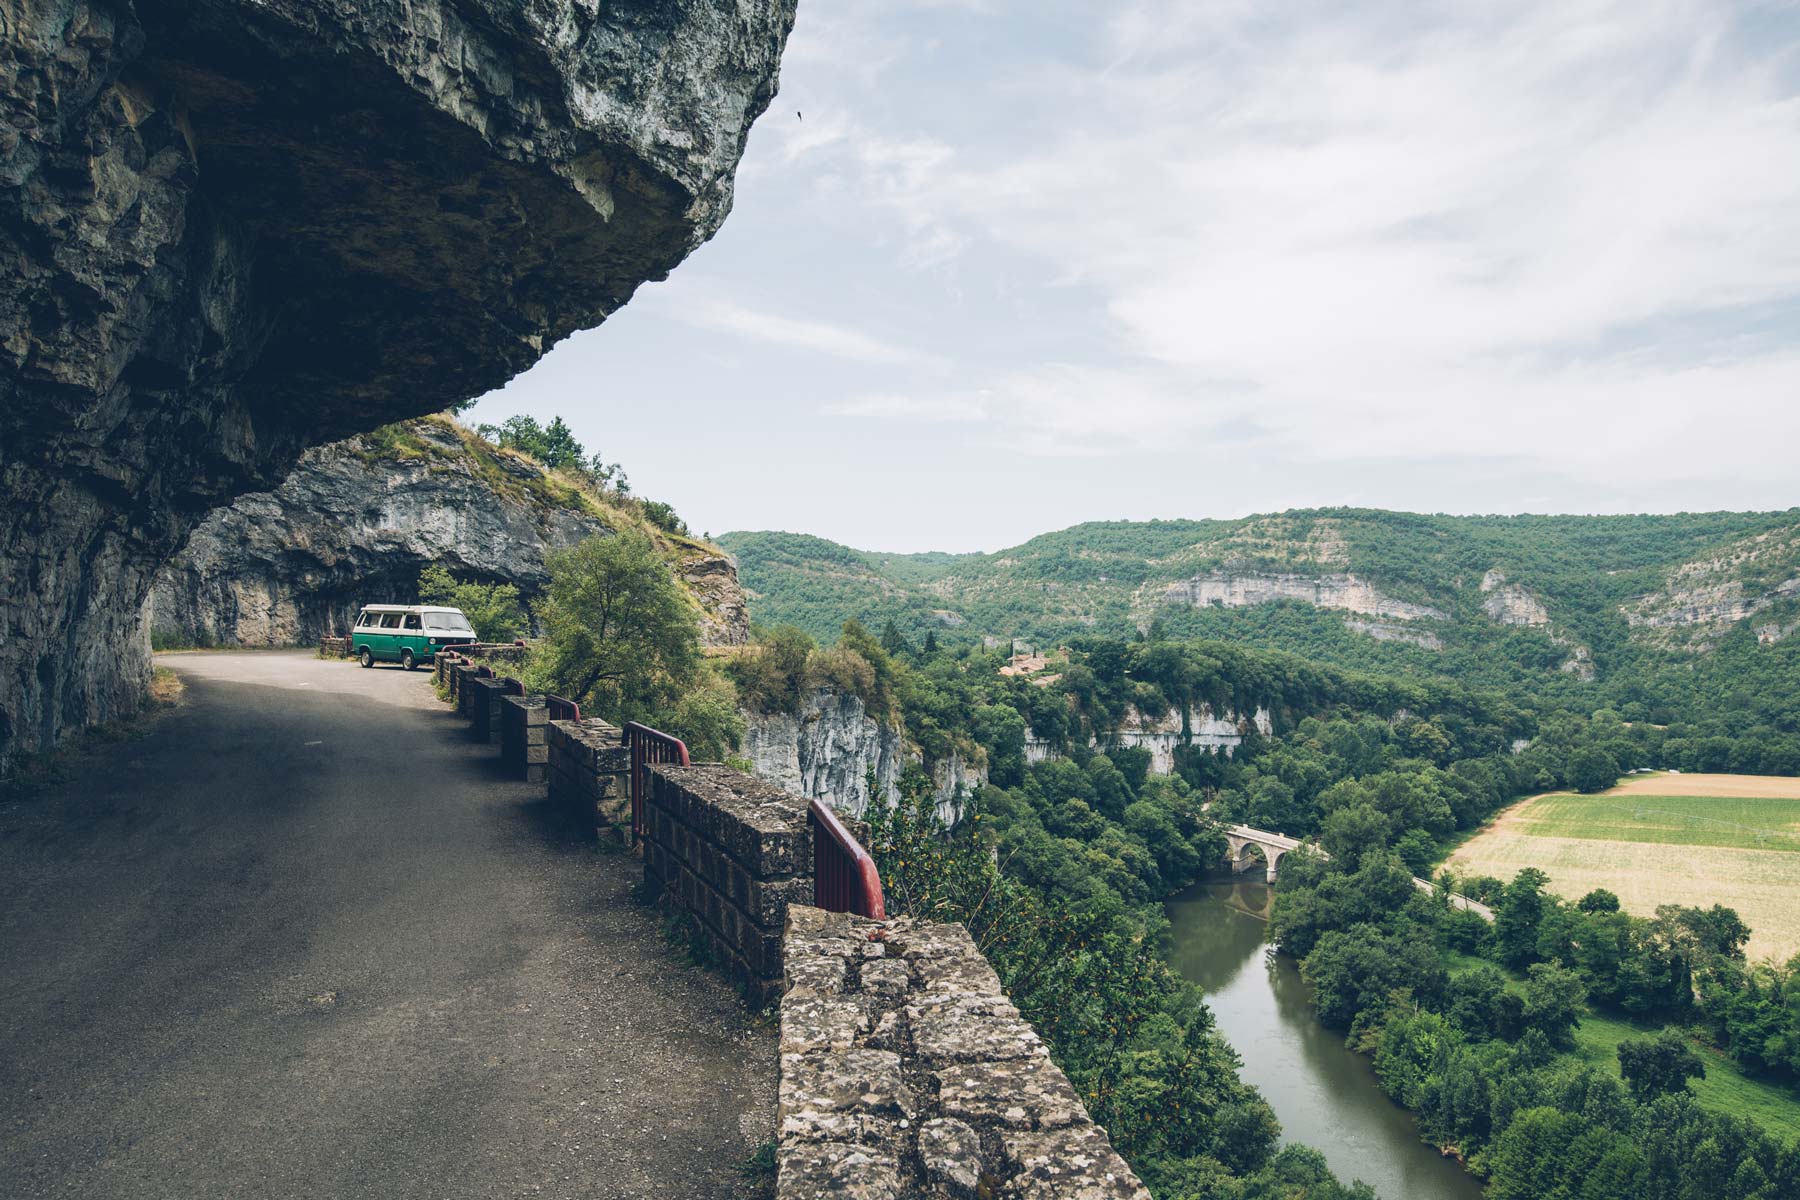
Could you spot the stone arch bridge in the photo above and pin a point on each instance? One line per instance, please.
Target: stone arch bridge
(1245, 846)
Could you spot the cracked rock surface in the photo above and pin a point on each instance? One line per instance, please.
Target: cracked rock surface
(232, 230)
(905, 1071)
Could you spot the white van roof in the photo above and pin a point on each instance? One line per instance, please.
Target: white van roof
(408, 608)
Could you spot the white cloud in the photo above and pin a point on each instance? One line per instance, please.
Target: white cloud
(1431, 228)
(944, 410)
(757, 325)
(1234, 255)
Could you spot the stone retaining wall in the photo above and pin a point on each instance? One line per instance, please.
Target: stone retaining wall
(464, 690)
(732, 852)
(905, 1072)
(483, 709)
(589, 772)
(334, 647)
(524, 750)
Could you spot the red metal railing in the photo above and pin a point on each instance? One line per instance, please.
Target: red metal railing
(649, 746)
(844, 876)
(562, 710)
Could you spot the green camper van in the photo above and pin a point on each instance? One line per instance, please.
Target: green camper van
(408, 634)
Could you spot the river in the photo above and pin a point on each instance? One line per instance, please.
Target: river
(1325, 1095)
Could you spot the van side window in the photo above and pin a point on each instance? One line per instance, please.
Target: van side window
(364, 620)
(412, 620)
(390, 620)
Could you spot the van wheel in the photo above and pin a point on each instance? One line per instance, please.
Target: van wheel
(406, 659)
(367, 657)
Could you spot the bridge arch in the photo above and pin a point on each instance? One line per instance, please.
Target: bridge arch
(1250, 854)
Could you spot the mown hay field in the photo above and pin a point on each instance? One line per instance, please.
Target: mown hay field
(1663, 839)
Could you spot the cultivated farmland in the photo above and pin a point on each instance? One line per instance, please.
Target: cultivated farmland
(1663, 839)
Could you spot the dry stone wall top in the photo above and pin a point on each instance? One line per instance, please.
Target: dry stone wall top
(906, 1072)
(589, 774)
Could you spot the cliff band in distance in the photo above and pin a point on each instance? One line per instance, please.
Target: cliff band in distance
(356, 521)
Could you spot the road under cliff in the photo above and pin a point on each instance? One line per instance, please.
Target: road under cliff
(300, 938)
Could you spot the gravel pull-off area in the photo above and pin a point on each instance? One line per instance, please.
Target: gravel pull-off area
(301, 939)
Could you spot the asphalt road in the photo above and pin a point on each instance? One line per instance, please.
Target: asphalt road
(299, 938)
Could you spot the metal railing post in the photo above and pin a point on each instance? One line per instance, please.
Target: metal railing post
(649, 746)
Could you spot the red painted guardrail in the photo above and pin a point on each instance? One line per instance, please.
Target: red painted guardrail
(648, 746)
(844, 875)
(561, 709)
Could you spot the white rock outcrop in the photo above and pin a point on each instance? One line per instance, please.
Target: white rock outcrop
(1216, 733)
(1339, 590)
(1511, 603)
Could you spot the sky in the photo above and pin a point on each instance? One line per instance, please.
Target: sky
(998, 268)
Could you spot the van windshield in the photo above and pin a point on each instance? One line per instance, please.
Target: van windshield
(455, 622)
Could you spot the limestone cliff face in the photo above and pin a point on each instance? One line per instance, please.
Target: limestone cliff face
(1394, 631)
(1703, 598)
(233, 230)
(353, 525)
(1201, 729)
(1511, 603)
(1330, 590)
(826, 751)
(712, 580)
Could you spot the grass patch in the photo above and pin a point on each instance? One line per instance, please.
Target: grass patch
(759, 1170)
(166, 688)
(1746, 823)
(1725, 1089)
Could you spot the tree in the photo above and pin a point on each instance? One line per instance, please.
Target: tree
(1656, 1066)
(1555, 1002)
(663, 517)
(1002, 730)
(1351, 833)
(1592, 770)
(1719, 931)
(1517, 915)
(494, 609)
(1416, 849)
(892, 640)
(771, 674)
(554, 444)
(620, 636)
(1598, 901)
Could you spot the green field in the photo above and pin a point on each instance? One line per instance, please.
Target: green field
(1738, 822)
(1649, 849)
(1725, 1089)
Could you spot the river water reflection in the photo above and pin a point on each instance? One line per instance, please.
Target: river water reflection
(1324, 1094)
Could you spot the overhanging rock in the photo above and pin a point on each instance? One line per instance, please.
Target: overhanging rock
(230, 230)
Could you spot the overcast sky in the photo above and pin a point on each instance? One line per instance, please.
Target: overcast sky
(997, 268)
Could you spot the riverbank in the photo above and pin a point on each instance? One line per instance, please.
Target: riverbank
(1324, 1094)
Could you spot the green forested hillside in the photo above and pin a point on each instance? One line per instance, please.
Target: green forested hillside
(1578, 607)
(1417, 674)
